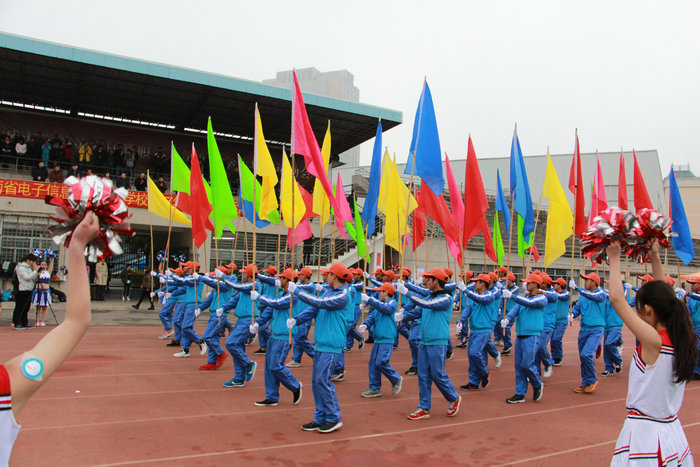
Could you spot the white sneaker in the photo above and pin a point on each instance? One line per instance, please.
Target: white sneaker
(293, 364)
(548, 370)
(619, 350)
(498, 361)
(203, 348)
(122, 299)
(128, 299)
(498, 342)
(181, 354)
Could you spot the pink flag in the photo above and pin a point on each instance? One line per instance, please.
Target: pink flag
(342, 208)
(304, 142)
(599, 200)
(455, 195)
(303, 230)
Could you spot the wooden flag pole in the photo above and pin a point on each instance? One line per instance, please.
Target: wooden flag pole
(194, 251)
(573, 244)
(150, 225)
(218, 290)
(291, 294)
(279, 234)
(320, 245)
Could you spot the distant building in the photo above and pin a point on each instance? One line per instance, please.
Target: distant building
(339, 84)
(689, 187)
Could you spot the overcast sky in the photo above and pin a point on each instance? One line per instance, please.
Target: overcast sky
(625, 73)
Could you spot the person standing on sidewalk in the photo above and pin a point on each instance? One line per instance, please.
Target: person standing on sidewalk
(126, 280)
(101, 276)
(27, 277)
(145, 290)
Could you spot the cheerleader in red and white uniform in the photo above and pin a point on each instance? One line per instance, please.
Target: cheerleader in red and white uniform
(41, 297)
(661, 365)
(22, 376)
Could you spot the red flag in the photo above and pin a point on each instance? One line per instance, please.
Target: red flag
(342, 212)
(419, 224)
(641, 195)
(475, 202)
(488, 240)
(303, 230)
(535, 253)
(622, 184)
(436, 208)
(599, 200)
(199, 203)
(304, 142)
(577, 188)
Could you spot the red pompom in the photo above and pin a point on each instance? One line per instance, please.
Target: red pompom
(95, 194)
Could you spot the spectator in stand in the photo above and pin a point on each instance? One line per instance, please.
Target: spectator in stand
(40, 173)
(122, 181)
(100, 156)
(21, 147)
(74, 172)
(161, 184)
(130, 161)
(84, 155)
(34, 148)
(68, 153)
(140, 183)
(56, 153)
(6, 151)
(45, 151)
(118, 158)
(56, 175)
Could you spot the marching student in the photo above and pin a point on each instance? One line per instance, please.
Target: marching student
(462, 303)
(550, 311)
(662, 364)
(561, 320)
(275, 311)
(330, 310)
(414, 323)
(480, 328)
(694, 309)
(498, 334)
(529, 311)
(402, 328)
(22, 376)
(221, 292)
(353, 334)
(246, 307)
(382, 317)
(301, 339)
(612, 338)
(191, 295)
(434, 312)
(268, 280)
(590, 306)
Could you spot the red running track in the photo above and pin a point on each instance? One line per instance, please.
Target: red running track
(123, 399)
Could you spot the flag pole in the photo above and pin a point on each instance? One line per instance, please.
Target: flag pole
(245, 240)
(279, 234)
(150, 225)
(573, 230)
(291, 294)
(534, 231)
(218, 290)
(320, 245)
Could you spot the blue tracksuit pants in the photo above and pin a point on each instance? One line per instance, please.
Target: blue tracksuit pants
(166, 315)
(431, 369)
(478, 368)
(264, 334)
(177, 320)
(212, 336)
(301, 343)
(525, 367)
(414, 342)
(464, 319)
(613, 338)
(697, 367)
(588, 342)
(275, 372)
(352, 333)
(557, 337)
(325, 398)
(542, 357)
(236, 347)
(380, 364)
(498, 334)
(188, 336)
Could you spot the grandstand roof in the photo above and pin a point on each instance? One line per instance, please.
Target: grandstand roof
(95, 83)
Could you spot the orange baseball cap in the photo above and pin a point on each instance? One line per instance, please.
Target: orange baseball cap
(561, 281)
(288, 274)
(408, 270)
(492, 277)
(378, 271)
(510, 276)
(250, 270)
(306, 271)
(503, 269)
(341, 271)
(390, 274)
(387, 287)
(546, 279)
(693, 279)
(482, 277)
(357, 271)
(449, 272)
(646, 277)
(592, 276)
(533, 277)
(670, 280)
(468, 274)
(177, 271)
(271, 270)
(231, 266)
(190, 264)
(436, 273)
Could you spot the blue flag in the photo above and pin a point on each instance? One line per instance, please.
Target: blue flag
(682, 242)
(425, 145)
(369, 212)
(501, 204)
(520, 188)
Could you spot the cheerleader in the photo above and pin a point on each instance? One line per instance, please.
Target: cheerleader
(661, 365)
(41, 297)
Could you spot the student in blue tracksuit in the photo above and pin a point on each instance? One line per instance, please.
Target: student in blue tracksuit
(353, 334)
(275, 311)
(166, 312)
(480, 328)
(562, 318)
(512, 286)
(301, 339)
(414, 337)
(402, 328)
(246, 308)
(543, 358)
(192, 295)
(330, 311)
(694, 309)
(462, 304)
(612, 338)
(382, 317)
(220, 294)
(435, 312)
(529, 311)
(495, 286)
(590, 306)
(268, 281)
(173, 283)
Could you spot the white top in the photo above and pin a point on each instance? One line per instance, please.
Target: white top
(8, 425)
(652, 392)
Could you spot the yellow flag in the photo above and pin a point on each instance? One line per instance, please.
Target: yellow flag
(322, 206)
(289, 184)
(396, 202)
(159, 205)
(560, 221)
(266, 169)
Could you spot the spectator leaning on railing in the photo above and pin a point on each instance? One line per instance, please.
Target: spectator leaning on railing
(40, 173)
(56, 175)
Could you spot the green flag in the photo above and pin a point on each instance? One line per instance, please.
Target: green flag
(498, 240)
(522, 244)
(224, 212)
(179, 172)
(246, 197)
(360, 233)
